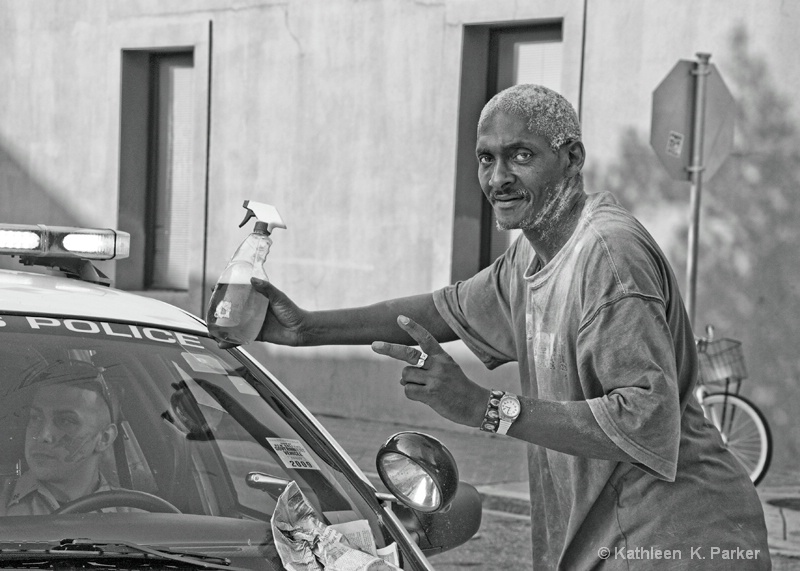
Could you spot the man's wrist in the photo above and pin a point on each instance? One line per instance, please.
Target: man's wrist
(306, 329)
(502, 409)
(479, 410)
(491, 415)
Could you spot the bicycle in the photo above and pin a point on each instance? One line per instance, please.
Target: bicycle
(741, 424)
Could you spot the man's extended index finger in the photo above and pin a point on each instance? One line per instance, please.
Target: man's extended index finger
(397, 351)
(422, 336)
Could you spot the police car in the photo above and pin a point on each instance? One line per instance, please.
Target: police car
(129, 439)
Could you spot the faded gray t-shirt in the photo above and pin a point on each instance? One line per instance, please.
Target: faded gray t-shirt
(603, 322)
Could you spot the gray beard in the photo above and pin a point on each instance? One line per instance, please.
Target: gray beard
(545, 221)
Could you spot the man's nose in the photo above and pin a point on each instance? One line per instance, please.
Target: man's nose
(46, 433)
(501, 176)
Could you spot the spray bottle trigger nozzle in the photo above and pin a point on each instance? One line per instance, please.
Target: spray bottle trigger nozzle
(247, 217)
(264, 213)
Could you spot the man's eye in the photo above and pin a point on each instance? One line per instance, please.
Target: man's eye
(485, 160)
(66, 422)
(522, 156)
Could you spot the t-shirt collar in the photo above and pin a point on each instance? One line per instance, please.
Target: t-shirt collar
(536, 271)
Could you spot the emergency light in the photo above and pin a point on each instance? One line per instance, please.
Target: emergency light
(38, 240)
(65, 248)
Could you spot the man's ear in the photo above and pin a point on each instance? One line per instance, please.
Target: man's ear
(107, 437)
(575, 154)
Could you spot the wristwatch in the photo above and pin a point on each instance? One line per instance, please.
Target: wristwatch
(509, 409)
(502, 410)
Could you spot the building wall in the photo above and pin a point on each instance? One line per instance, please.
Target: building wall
(342, 113)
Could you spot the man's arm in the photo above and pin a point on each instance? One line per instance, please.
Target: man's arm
(568, 427)
(288, 324)
(363, 325)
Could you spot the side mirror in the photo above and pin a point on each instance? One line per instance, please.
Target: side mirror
(419, 470)
(439, 511)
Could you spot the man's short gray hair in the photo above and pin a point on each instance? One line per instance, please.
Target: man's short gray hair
(547, 112)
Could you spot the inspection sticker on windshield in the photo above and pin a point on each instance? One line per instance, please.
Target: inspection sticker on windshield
(293, 454)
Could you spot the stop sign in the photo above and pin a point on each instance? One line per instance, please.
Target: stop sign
(672, 132)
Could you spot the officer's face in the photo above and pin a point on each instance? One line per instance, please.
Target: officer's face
(65, 429)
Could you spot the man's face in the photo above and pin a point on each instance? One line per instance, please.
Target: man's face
(65, 429)
(520, 174)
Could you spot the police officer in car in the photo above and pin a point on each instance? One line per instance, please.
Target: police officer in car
(70, 427)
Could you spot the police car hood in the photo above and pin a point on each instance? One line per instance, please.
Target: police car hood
(27, 293)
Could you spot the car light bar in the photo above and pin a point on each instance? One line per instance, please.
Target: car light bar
(38, 240)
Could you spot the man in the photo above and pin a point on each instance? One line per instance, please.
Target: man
(69, 429)
(624, 470)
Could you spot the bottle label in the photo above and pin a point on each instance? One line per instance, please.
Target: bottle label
(223, 310)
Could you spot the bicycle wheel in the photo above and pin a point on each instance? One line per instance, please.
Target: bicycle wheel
(744, 431)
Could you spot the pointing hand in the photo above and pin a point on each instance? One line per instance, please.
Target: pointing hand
(439, 382)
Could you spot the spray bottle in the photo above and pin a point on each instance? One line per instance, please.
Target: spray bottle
(236, 311)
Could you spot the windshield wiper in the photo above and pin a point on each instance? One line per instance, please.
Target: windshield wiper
(42, 555)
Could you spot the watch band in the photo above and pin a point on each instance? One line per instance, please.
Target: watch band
(503, 426)
(491, 418)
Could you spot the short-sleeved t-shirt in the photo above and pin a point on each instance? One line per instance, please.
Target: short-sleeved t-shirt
(603, 322)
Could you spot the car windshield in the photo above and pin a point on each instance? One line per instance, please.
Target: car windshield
(204, 439)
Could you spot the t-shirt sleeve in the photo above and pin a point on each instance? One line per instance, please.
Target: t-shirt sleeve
(627, 348)
(478, 311)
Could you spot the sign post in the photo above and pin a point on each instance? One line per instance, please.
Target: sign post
(692, 134)
(696, 173)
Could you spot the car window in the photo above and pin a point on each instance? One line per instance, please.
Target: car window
(196, 427)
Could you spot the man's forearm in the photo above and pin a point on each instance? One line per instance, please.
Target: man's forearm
(377, 322)
(568, 427)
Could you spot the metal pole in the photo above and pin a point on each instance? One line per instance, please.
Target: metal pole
(700, 72)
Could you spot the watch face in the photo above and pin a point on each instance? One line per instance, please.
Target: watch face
(510, 407)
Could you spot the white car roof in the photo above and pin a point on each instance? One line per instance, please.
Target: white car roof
(29, 293)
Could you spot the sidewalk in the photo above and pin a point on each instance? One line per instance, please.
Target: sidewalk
(497, 467)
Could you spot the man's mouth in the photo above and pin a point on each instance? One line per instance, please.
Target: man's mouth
(509, 196)
(43, 456)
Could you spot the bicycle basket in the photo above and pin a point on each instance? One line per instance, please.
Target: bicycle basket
(720, 360)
